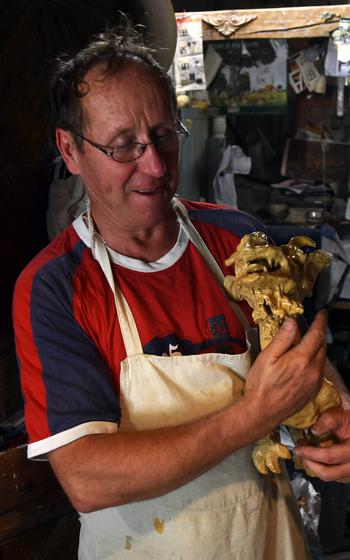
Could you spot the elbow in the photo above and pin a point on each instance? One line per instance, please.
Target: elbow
(86, 490)
(82, 500)
(93, 499)
(80, 488)
(80, 503)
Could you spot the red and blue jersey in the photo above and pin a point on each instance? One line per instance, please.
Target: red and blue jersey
(68, 339)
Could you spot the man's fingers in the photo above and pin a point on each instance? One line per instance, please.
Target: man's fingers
(315, 336)
(312, 341)
(336, 473)
(334, 455)
(336, 420)
(284, 338)
(329, 463)
(328, 422)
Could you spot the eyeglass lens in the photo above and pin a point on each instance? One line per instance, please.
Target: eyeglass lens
(164, 144)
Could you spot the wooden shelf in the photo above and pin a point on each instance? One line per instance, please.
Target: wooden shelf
(303, 22)
(34, 510)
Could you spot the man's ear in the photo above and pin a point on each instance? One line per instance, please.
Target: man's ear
(68, 150)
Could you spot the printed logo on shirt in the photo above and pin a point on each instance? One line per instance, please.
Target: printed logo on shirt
(172, 351)
(218, 327)
(218, 340)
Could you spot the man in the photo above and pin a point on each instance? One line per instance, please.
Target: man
(132, 357)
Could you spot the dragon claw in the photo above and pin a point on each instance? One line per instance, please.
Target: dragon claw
(266, 455)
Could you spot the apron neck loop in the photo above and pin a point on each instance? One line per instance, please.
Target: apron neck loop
(127, 323)
(198, 242)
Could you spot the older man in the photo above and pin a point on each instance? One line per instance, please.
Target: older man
(131, 356)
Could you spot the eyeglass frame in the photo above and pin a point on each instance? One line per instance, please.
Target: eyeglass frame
(109, 151)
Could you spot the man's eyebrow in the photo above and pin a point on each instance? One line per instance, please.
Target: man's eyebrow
(131, 131)
(117, 133)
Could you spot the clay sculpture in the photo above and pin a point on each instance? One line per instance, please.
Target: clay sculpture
(274, 281)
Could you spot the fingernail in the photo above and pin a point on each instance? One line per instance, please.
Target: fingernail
(288, 324)
(315, 431)
(324, 312)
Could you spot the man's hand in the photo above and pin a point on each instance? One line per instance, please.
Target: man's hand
(285, 376)
(329, 463)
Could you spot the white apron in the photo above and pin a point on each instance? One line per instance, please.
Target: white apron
(229, 513)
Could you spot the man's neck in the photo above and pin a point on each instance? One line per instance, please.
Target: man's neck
(148, 245)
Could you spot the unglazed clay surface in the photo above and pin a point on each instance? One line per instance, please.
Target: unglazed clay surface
(274, 281)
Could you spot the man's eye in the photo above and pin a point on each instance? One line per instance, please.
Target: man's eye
(125, 147)
(161, 137)
(164, 132)
(122, 141)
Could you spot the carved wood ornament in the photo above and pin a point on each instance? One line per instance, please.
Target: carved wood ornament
(227, 24)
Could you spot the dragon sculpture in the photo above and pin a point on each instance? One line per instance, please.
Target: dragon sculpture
(274, 281)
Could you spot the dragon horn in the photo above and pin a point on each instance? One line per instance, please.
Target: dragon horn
(301, 241)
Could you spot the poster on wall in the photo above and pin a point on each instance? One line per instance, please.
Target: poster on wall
(252, 76)
(343, 45)
(188, 68)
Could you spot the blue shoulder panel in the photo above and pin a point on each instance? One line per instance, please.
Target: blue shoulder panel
(239, 223)
(78, 384)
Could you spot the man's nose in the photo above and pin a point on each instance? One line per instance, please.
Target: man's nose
(151, 162)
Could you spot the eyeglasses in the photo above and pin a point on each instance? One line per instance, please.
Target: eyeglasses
(134, 150)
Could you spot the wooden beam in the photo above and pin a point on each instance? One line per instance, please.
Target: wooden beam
(272, 23)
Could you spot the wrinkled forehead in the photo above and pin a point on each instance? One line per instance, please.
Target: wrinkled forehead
(130, 77)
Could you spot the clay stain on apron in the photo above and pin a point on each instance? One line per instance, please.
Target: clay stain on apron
(128, 542)
(159, 525)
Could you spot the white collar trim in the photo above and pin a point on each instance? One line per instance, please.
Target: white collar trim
(164, 262)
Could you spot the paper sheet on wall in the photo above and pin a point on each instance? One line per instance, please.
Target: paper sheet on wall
(337, 60)
(188, 65)
(253, 73)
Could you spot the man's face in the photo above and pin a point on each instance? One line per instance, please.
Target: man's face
(128, 107)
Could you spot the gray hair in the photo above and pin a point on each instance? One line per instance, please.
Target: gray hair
(109, 50)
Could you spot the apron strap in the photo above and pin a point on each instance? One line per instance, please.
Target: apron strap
(200, 245)
(127, 323)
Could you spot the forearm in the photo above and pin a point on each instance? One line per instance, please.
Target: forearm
(130, 466)
(125, 467)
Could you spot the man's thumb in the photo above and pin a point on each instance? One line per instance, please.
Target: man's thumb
(336, 420)
(284, 338)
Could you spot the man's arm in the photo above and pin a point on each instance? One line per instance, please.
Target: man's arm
(130, 466)
(331, 463)
(125, 467)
